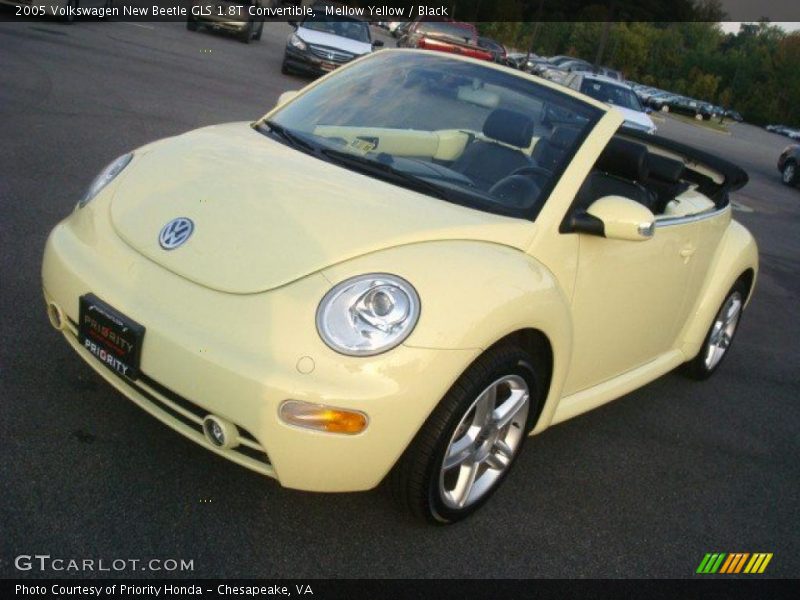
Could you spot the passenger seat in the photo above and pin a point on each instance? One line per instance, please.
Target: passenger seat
(486, 162)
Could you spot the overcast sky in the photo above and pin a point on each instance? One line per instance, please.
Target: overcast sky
(733, 26)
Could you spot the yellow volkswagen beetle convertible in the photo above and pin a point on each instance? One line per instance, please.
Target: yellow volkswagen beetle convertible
(398, 274)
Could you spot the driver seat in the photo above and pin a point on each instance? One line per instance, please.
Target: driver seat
(486, 162)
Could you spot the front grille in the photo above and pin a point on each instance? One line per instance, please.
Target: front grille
(330, 54)
(171, 406)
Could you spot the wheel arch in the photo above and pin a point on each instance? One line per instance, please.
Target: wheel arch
(537, 345)
(736, 260)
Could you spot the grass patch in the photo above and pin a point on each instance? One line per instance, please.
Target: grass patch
(712, 123)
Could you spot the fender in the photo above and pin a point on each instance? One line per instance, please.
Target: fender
(475, 293)
(736, 253)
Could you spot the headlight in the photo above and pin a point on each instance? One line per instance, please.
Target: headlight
(368, 314)
(105, 177)
(297, 42)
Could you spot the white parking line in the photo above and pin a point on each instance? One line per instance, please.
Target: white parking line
(137, 25)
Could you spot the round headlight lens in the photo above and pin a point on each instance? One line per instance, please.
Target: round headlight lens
(105, 177)
(368, 314)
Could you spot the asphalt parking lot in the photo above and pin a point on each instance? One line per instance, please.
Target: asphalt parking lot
(642, 487)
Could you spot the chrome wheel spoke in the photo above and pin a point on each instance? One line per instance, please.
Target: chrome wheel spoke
(505, 413)
(465, 483)
(459, 452)
(503, 449)
(484, 406)
(496, 462)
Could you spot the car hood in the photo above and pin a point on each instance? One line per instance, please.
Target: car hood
(265, 214)
(635, 116)
(338, 42)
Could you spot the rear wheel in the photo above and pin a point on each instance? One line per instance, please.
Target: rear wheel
(790, 174)
(720, 336)
(467, 446)
(246, 34)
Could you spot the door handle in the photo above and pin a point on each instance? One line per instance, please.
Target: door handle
(687, 252)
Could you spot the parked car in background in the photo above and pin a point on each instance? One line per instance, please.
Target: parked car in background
(659, 100)
(245, 30)
(453, 37)
(689, 107)
(610, 73)
(615, 93)
(496, 48)
(735, 115)
(792, 133)
(322, 43)
(781, 129)
(789, 165)
(399, 28)
(516, 59)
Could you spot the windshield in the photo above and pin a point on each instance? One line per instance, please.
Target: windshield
(341, 26)
(477, 135)
(612, 94)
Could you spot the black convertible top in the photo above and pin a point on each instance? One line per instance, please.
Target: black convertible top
(735, 177)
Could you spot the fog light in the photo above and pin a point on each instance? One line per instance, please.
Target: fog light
(55, 315)
(220, 433)
(323, 418)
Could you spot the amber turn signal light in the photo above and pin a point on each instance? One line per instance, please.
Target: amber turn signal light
(323, 418)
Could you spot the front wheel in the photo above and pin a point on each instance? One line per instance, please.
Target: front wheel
(720, 336)
(790, 175)
(467, 446)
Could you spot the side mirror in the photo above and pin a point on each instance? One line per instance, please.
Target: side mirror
(616, 218)
(286, 96)
(377, 44)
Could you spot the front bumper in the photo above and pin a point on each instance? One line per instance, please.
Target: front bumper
(238, 357)
(306, 62)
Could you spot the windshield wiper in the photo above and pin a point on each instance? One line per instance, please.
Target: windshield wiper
(288, 136)
(385, 171)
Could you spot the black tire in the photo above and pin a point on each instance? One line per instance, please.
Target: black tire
(285, 68)
(191, 24)
(790, 174)
(698, 368)
(246, 34)
(414, 482)
(259, 31)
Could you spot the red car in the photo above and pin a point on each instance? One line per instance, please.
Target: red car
(446, 36)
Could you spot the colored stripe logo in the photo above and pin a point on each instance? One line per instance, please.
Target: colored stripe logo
(736, 562)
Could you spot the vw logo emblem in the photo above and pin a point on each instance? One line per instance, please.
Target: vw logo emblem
(175, 233)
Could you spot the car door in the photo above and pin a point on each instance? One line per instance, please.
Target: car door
(628, 301)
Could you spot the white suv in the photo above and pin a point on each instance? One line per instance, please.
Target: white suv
(615, 93)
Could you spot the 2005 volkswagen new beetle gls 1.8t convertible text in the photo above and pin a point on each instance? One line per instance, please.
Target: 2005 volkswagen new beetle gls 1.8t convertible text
(399, 273)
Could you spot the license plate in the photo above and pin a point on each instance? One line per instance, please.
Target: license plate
(111, 337)
(326, 66)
